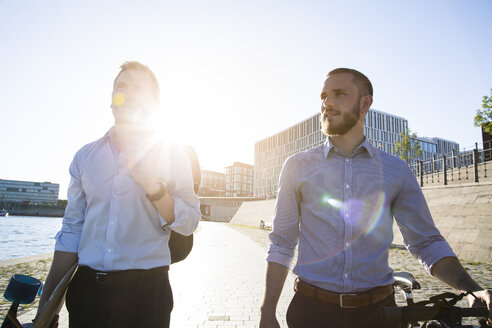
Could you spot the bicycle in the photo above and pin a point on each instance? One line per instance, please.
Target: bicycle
(439, 311)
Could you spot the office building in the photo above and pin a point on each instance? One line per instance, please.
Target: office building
(428, 147)
(212, 184)
(381, 129)
(239, 180)
(446, 146)
(27, 192)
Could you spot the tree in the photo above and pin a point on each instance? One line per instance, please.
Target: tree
(484, 116)
(62, 203)
(408, 147)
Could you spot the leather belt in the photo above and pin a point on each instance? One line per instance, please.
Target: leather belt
(103, 278)
(355, 300)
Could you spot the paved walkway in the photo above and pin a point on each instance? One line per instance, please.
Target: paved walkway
(220, 284)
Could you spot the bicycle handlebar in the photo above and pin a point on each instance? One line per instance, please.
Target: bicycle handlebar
(425, 313)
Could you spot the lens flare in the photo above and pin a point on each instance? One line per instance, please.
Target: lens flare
(363, 215)
(332, 201)
(377, 214)
(119, 99)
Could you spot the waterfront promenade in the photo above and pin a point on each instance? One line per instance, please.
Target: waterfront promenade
(221, 283)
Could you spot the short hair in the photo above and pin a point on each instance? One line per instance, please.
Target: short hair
(141, 67)
(363, 84)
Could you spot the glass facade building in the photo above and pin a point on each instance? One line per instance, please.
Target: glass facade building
(428, 147)
(212, 184)
(382, 130)
(27, 192)
(239, 180)
(444, 146)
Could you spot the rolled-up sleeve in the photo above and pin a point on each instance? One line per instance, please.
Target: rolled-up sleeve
(68, 238)
(186, 203)
(285, 234)
(420, 235)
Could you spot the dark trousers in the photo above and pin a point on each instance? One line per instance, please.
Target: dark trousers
(306, 312)
(133, 298)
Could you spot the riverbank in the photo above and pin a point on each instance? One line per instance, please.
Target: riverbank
(36, 266)
(45, 212)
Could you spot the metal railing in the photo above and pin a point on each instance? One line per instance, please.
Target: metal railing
(468, 165)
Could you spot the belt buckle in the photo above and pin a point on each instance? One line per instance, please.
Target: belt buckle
(341, 301)
(101, 277)
(296, 282)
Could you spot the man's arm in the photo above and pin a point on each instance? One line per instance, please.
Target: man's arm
(450, 271)
(284, 238)
(275, 280)
(62, 261)
(180, 207)
(68, 238)
(424, 241)
(165, 207)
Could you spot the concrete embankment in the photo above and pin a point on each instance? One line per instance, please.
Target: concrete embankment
(463, 214)
(48, 212)
(251, 213)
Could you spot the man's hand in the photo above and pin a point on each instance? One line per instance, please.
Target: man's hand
(142, 148)
(482, 298)
(142, 164)
(268, 319)
(62, 261)
(275, 280)
(450, 271)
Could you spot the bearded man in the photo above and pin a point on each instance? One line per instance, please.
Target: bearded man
(338, 201)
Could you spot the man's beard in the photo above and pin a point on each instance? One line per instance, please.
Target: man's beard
(349, 120)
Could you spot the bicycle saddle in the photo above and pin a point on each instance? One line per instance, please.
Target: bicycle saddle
(405, 280)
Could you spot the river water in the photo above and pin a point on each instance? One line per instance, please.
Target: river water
(27, 235)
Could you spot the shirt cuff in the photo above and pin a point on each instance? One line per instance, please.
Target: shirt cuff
(435, 252)
(179, 209)
(185, 219)
(280, 255)
(67, 242)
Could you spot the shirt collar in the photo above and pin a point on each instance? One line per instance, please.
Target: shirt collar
(112, 143)
(329, 146)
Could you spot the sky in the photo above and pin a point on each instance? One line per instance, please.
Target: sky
(231, 72)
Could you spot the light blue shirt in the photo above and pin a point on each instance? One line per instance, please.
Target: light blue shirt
(340, 210)
(110, 222)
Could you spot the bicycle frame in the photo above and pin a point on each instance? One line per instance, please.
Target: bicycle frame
(442, 310)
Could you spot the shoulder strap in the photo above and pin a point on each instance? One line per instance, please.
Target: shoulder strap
(195, 167)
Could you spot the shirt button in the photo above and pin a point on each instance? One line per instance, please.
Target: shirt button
(346, 215)
(347, 160)
(346, 187)
(347, 245)
(110, 250)
(345, 275)
(115, 196)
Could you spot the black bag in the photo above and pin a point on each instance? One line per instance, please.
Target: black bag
(180, 246)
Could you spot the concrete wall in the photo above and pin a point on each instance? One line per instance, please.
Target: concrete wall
(463, 214)
(221, 209)
(51, 212)
(250, 213)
